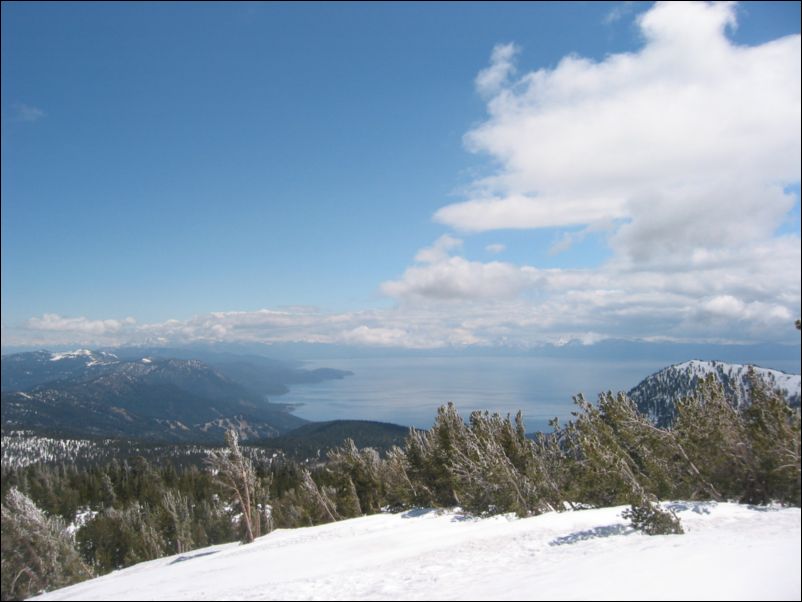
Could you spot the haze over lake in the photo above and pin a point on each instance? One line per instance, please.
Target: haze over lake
(408, 390)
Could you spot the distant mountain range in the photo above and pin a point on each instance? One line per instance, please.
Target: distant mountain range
(100, 393)
(657, 395)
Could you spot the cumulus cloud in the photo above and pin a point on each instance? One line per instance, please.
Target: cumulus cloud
(442, 276)
(682, 153)
(519, 211)
(729, 307)
(458, 278)
(440, 250)
(744, 293)
(690, 129)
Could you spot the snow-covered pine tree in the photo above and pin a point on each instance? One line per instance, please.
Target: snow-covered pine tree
(495, 468)
(236, 474)
(358, 471)
(37, 551)
(649, 518)
(399, 490)
(321, 506)
(711, 433)
(430, 457)
(176, 521)
(119, 537)
(773, 429)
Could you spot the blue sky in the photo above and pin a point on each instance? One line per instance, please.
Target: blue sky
(269, 172)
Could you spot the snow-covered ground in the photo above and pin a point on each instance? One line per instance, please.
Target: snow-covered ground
(729, 552)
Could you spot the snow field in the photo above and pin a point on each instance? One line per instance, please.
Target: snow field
(729, 551)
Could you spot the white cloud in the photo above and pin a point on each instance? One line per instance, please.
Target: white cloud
(457, 278)
(741, 293)
(681, 221)
(444, 277)
(376, 337)
(495, 248)
(440, 250)
(690, 140)
(55, 322)
(732, 308)
(54, 329)
(518, 211)
(490, 80)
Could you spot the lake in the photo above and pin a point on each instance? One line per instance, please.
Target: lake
(408, 391)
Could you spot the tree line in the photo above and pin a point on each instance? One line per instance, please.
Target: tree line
(607, 454)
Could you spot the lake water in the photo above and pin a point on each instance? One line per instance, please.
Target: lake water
(408, 391)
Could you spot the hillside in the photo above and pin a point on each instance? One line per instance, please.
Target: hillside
(316, 438)
(96, 394)
(729, 551)
(656, 395)
(257, 373)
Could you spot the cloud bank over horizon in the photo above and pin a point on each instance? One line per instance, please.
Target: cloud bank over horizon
(684, 157)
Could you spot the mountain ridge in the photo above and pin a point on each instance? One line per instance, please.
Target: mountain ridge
(657, 394)
(93, 393)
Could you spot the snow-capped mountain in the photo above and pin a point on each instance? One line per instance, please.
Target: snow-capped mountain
(91, 358)
(23, 371)
(658, 394)
(728, 552)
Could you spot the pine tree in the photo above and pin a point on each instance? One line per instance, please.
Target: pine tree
(622, 458)
(713, 438)
(605, 473)
(773, 431)
(495, 467)
(430, 458)
(37, 552)
(119, 537)
(321, 506)
(651, 519)
(358, 471)
(235, 472)
(399, 490)
(176, 521)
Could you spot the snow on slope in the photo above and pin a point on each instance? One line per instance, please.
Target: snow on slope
(657, 395)
(55, 357)
(789, 384)
(93, 358)
(729, 551)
